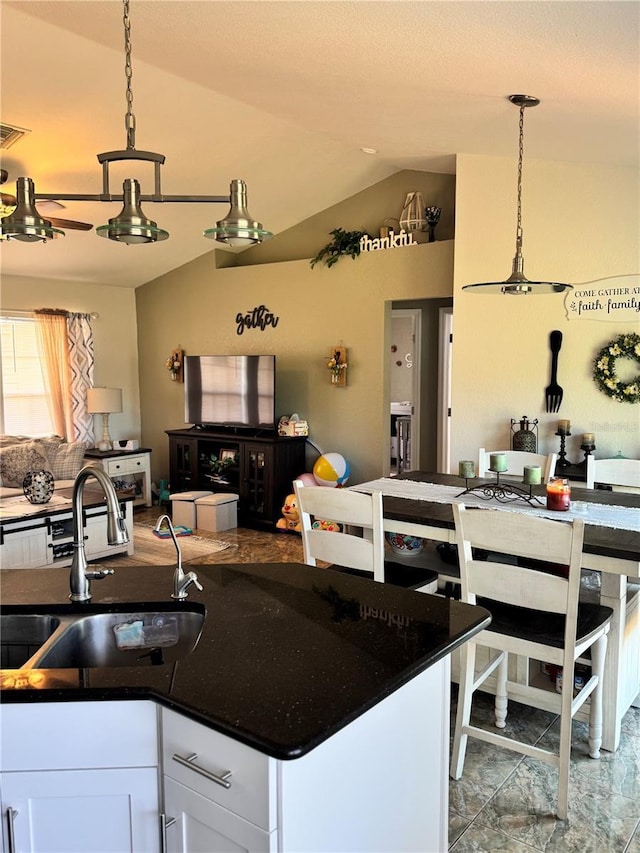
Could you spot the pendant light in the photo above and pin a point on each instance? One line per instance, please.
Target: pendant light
(25, 223)
(518, 284)
(131, 226)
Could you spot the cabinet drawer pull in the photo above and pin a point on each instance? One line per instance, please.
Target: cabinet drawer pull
(12, 814)
(223, 779)
(165, 823)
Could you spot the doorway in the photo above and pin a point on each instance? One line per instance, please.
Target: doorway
(421, 333)
(405, 350)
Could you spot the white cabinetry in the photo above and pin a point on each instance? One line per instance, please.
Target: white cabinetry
(204, 809)
(378, 784)
(130, 467)
(100, 790)
(33, 542)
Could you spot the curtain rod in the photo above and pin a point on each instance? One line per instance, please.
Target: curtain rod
(23, 312)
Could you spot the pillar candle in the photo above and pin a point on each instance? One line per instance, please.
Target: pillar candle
(497, 462)
(564, 426)
(467, 469)
(559, 495)
(532, 475)
(589, 438)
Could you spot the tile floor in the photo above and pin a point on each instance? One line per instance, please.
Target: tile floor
(504, 801)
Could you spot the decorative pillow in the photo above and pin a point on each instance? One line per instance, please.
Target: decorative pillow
(65, 458)
(18, 460)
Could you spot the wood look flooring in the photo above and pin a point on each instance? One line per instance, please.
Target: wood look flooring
(504, 801)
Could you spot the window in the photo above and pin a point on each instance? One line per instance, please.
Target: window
(24, 409)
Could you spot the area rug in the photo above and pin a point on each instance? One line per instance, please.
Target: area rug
(150, 550)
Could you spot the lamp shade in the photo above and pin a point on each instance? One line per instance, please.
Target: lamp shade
(104, 400)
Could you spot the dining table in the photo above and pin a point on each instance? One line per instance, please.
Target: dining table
(419, 503)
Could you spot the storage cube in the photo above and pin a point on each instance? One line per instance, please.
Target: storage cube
(217, 512)
(183, 508)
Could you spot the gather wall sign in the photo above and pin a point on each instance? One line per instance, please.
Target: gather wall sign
(256, 318)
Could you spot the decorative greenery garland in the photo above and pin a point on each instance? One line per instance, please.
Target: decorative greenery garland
(604, 369)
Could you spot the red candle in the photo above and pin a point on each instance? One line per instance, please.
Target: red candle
(559, 495)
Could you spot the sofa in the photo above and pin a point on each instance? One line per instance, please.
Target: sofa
(20, 454)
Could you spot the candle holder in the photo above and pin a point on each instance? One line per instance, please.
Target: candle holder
(502, 492)
(563, 462)
(588, 450)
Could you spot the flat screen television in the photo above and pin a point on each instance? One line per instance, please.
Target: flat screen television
(230, 390)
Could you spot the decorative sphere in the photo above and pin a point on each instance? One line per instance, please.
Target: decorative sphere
(331, 469)
(404, 544)
(38, 486)
(308, 479)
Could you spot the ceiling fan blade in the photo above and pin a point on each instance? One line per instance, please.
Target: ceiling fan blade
(69, 224)
(48, 205)
(8, 199)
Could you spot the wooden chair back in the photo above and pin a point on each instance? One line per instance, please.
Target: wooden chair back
(360, 513)
(623, 475)
(516, 461)
(520, 535)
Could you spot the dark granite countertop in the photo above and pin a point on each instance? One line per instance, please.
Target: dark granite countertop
(288, 655)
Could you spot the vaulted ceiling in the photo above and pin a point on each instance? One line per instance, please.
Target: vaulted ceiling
(286, 94)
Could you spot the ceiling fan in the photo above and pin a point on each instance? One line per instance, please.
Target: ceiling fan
(8, 203)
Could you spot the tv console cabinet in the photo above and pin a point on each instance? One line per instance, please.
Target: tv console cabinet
(260, 469)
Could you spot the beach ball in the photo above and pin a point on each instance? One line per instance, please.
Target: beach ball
(307, 479)
(331, 469)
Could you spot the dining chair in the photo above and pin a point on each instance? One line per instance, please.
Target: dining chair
(516, 461)
(358, 547)
(623, 475)
(535, 614)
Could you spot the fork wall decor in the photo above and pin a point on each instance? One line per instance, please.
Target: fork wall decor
(553, 391)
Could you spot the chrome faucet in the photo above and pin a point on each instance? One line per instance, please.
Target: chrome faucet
(80, 578)
(181, 582)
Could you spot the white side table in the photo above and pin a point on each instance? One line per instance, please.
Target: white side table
(126, 464)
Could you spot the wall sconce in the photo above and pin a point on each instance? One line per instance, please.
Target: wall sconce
(337, 365)
(104, 401)
(174, 365)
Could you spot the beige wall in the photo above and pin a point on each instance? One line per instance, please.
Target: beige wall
(195, 308)
(581, 222)
(115, 334)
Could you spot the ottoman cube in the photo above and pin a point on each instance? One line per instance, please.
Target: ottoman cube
(183, 508)
(217, 512)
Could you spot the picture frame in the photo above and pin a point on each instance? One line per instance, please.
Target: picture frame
(227, 455)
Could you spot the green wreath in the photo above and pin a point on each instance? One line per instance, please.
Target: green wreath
(604, 369)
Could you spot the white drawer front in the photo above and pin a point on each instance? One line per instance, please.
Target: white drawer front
(251, 794)
(74, 735)
(125, 466)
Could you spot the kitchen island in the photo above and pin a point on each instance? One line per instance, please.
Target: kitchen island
(316, 703)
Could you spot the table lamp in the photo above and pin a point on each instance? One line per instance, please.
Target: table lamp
(104, 401)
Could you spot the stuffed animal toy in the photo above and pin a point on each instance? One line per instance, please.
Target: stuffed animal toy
(290, 522)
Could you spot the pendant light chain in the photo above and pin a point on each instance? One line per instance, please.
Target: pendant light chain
(520, 157)
(129, 119)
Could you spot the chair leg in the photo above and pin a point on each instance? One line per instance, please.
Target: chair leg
(502, 673)
(564, 753)
(465, 697)
(598, 654)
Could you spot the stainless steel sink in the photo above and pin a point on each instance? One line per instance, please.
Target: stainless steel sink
(21, 635)
(131, 638)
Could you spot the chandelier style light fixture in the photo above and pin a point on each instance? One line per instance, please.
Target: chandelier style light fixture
(517, 283)
(131, 226)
